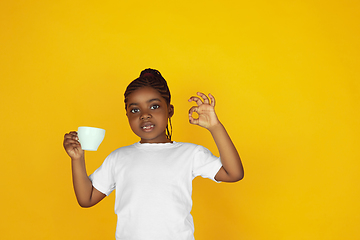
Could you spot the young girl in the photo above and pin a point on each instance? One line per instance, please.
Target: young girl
(153, 177)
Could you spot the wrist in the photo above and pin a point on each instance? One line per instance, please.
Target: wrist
(216, 126)
(77, 159)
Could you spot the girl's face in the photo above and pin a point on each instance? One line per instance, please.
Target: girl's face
(148, 114)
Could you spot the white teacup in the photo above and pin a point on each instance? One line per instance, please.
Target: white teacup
(90, 137)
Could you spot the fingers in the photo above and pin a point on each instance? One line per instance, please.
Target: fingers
(196, 99)
(203, 99)
(193, 109)
(71, 135)
(72, 146)
(71, 140)
(212, 100)
(191, 119)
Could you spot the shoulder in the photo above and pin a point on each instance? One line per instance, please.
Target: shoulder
(192, 147)
(198, 151)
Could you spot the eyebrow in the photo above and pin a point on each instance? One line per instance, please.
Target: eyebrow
(149, 101)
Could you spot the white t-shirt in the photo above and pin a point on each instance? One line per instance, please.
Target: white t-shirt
(153, 185)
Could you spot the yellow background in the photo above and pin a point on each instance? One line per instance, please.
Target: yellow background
(285, 75)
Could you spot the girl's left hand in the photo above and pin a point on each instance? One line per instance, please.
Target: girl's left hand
(205, 109)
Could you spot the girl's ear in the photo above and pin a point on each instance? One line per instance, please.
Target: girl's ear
(171, 111)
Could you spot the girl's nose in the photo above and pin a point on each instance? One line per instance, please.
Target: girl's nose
(145, 116)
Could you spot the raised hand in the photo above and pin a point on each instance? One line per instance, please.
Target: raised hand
(205, 109)
(72, 145)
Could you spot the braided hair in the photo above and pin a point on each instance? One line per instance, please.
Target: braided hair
(151, 78)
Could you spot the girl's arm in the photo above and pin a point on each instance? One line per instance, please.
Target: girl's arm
(232, 169)
(86, 194)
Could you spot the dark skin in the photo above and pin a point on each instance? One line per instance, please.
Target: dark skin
(147, 114)
(86, 194)
(232, 169)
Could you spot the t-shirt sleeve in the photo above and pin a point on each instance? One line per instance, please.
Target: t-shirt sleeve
(205, 164)
(103, 177)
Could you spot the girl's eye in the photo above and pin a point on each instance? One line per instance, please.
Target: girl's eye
(134, 110)
(154, 107)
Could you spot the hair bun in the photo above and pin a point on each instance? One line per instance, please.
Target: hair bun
(151, 72)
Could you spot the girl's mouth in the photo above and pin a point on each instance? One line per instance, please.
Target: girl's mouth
(147, 127)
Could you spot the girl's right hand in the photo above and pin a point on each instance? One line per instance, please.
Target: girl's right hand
(72, 145)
